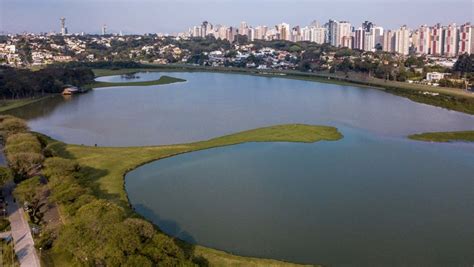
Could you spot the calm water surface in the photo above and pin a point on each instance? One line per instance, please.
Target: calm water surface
(372, 198)
(213, 104)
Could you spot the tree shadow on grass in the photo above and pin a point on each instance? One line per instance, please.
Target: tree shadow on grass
(181, 238)
(90, 177)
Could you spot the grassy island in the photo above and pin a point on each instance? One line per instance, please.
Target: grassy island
(461, 136)
(162, 80)
(105, 168)
(111, 163)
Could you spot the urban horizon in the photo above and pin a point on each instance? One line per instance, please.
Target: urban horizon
(145, 16)
(440, 40)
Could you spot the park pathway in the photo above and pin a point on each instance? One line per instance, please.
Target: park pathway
(21, 232)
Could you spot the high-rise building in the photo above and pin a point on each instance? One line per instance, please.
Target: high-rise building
(388, 41)
(344, 33)
(436, 40)
(251, 35)
(466, 39)
(197, 31)
(372, 38)
(402, 40)
(378, 35)
(296, 34)
(362, 34)
(423, 45)
(336, 31)
(63, 26)
(346, 41)
(450, 36)
(359, 35)
(231, 32)
(244, 28)
(284, 31)
(331, 36)
(260, 32)
(104, 29)
(318, 35)
(306, 34)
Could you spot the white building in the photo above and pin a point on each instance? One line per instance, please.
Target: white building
(402, 40)
(435, 76)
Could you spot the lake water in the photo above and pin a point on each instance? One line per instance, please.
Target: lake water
(213, 104)
(373, 198)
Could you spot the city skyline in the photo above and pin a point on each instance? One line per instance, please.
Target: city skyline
(23, 15)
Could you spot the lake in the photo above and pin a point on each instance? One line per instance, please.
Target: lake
(372, 198)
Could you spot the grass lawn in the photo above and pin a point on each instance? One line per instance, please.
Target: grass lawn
(220, 258)
(462, 136)
(12, 104)
(106, 167)
(160, 81)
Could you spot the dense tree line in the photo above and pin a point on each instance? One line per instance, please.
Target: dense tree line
(23, 83)
(116, 64)
(97, 232)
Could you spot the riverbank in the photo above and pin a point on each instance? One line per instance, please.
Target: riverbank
(161, 81)
(444, 137)
(6, 105)
(449, 98)
(105, 168)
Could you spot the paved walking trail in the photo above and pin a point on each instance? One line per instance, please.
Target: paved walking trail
(21, 233)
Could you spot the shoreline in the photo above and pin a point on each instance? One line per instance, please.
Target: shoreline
(118, 161)
(443, 97)
(447, 98)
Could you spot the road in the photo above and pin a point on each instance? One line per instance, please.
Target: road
(21, 233)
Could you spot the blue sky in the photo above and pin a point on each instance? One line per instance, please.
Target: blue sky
(141, 16)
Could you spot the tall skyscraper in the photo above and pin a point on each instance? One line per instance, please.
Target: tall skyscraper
(244, 28)
(466, 39)
(337, 31)
(388, 41)
(63, 26)
(436, 40)
(104, 29)
(318, 35)
(402, 40)
(260, 32)
(284, 31)
(359, 38)
(450, 36)
(423, 46)
(344, 34)
(331, 36)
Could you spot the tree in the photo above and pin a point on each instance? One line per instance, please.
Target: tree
(464, 64)
(32, 192)
(5, 175)
(56, 166)
(24, 163)
(100, 234)
(12, 125)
